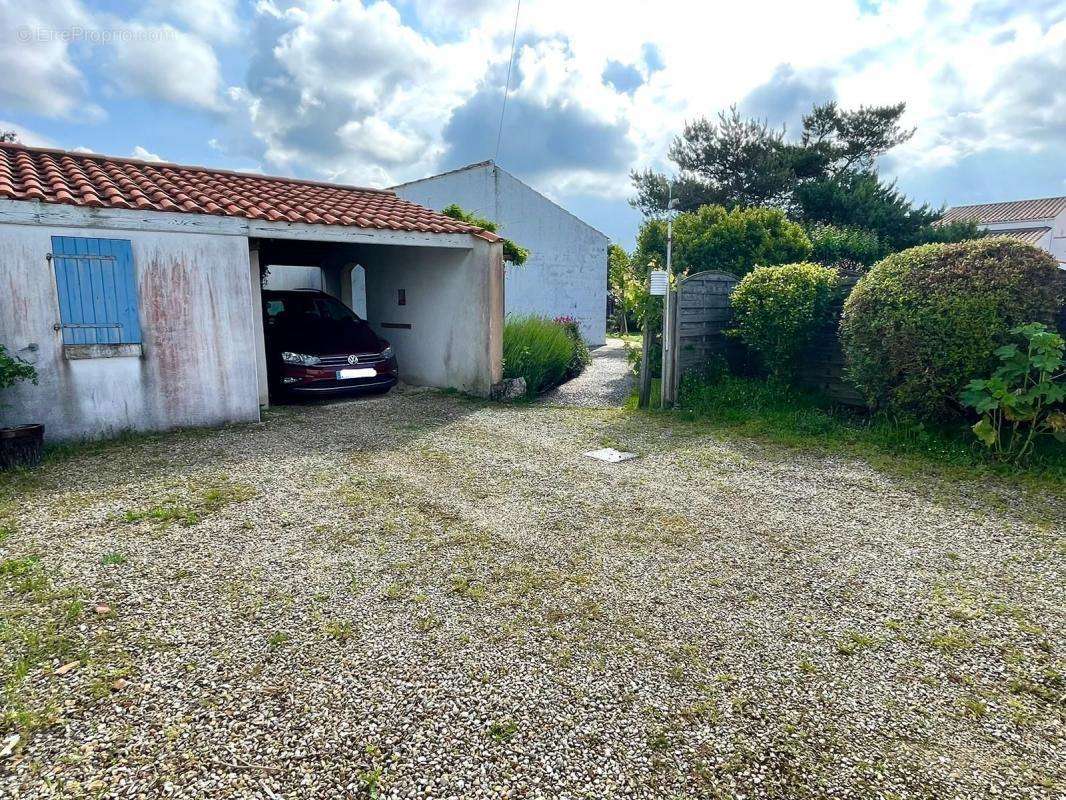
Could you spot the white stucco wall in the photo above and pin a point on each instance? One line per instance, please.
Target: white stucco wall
(199, 361)
(282, 276)
(453, 305)
(566, 273)
(1054, 241)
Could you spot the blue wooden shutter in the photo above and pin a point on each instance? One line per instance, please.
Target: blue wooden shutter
(97, 290)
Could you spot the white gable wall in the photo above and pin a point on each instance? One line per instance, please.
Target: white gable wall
(566, 273)
(1054, 241)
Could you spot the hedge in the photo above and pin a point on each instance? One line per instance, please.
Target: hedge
(926, 320)
(777, 311)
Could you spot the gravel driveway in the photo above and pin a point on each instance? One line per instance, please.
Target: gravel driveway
(606, 382)
(424, 596)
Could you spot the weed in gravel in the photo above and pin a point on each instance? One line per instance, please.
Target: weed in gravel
(465, 586)
(339, 630)
(41, 625)
(370, 780)
(113, 559)
(502, 730)
(951, 641)
(277, 639)
(425, 624)
(854, 642)
(974, 707)
(658, 740)
(806, 666)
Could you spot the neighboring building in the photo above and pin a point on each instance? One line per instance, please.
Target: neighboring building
(566, 273)
(1038, 222)
(134, 287)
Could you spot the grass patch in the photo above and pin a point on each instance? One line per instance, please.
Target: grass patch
(40, 624)
(793, 417)
(202, 501)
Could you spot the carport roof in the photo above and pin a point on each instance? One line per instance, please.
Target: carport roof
(98, 181)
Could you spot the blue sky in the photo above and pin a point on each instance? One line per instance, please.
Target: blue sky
(382, 92)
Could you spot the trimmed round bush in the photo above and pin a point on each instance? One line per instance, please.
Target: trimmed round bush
(537, 349)
(925, 321)
(777, 311)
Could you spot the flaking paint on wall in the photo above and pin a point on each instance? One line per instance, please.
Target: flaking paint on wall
(198, 363)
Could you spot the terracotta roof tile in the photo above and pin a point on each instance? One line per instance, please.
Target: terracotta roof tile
(87, 179)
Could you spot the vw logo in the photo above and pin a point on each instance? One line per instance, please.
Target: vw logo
(353, 359)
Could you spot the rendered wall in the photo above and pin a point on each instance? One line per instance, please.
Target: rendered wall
(198, 365)
(453, 305)
(566, 273)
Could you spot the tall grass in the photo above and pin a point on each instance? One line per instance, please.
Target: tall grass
(537, 349)
(799, 418)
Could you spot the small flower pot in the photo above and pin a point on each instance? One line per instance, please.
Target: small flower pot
(21, 446)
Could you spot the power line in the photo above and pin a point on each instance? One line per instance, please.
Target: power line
(507, 86)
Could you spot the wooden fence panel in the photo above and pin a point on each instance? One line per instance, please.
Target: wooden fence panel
(703, 315)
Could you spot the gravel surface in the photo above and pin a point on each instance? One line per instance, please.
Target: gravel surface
(421, 596)
(606, 382)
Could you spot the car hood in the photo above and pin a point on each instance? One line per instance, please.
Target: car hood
(327, 337)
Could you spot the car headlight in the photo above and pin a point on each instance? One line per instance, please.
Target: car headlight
(387, 352)
(299, 358)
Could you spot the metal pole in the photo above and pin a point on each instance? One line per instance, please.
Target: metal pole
(667, 377)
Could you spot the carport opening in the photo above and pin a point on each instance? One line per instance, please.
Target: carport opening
(424, 301)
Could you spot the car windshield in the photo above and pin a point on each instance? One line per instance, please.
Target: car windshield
(308, 309)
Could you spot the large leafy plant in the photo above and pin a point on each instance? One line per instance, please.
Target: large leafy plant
(1023, 399)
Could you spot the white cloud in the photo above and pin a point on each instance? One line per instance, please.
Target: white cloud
(166, 64)
(351, 91)
(145, 155)
(36, 59)
(215, 20)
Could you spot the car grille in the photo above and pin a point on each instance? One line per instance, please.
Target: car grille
(342, 361)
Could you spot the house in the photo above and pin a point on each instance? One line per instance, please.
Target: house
(135, 288)
(1038, 222)
(566, 273)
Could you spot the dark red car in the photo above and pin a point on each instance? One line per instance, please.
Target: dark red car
(317, 345)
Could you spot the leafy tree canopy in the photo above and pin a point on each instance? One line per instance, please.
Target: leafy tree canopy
(827, 176)
(512, 252)
(713, 238)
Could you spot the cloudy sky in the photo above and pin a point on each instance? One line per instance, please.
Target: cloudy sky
(375, 93)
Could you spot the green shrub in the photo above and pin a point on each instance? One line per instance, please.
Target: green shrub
(580, 357)
(924, 321)
(13, 370)
(777, 311)
(733, 241)
(512, 251)
(537, 349)
(832, 245)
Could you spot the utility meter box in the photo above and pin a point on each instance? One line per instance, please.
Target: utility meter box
(658, 282)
